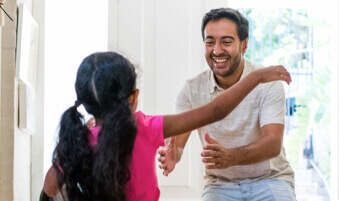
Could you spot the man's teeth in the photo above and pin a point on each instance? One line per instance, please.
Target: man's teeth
(220, 60)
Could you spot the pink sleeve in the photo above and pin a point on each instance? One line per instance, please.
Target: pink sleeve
(153, 128)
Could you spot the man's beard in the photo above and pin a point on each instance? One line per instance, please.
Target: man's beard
(230, 71)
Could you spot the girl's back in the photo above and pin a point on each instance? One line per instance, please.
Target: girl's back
(143, 184)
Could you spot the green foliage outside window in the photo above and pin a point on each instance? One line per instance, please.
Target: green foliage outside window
(299, 40)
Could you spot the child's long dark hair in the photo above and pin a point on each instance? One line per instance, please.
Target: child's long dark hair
(104, 83)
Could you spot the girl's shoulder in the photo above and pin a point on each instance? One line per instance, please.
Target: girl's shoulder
(147, 120)
(150, 128)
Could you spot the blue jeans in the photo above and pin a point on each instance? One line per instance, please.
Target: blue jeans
(266, 190)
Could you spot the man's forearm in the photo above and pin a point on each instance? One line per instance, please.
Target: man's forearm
(266, 147)
(255, 152)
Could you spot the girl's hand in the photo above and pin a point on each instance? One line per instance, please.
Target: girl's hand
(273, 73)
(90, 123)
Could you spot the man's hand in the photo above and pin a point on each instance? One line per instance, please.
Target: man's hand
(215, 154)
(168, 157)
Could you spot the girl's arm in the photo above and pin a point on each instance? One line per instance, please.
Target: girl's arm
(221, 106)
(51, 184)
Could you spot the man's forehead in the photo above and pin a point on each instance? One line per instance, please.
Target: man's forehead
(221, 28)
(221, 35)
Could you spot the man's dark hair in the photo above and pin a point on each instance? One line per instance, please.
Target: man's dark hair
(227, 13)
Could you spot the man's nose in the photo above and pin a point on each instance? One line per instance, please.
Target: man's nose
(217, 49)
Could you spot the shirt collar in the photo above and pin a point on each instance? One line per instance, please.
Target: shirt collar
(213, 83)
(247, 69)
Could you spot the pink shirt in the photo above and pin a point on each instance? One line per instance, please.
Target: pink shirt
(143, 185)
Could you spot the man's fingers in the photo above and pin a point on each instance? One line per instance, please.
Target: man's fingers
(210, 160)
(165, 173)
(172, 142)
(164, 167)
(213, 147)
(161, 159)
(161, 151)
(209, 154)
(215, 166)
(209, 139)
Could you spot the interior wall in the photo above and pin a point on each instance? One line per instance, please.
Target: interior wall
(22, 140)
(37, 167)
(22, 143)
(0, 89)
(69, 38)
(16, 145)
(7, 105)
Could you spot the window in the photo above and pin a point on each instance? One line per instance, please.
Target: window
(300, 40)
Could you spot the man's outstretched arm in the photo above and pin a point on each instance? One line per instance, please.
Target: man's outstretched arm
(266, 147)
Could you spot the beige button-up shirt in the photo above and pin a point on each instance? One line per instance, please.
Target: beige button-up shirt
(264, 105)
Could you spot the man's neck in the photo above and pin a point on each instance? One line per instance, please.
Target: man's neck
(227, 81)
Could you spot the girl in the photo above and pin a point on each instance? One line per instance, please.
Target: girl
(116, 159)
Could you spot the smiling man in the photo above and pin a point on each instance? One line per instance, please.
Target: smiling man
(243, 153)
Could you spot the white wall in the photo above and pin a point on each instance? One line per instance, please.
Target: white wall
(15, 152)
(0, 79)
(73, 31)
(37, 163)
(22, 147)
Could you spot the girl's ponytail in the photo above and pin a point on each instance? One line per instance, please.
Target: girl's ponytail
(113, 155)
(72, 157)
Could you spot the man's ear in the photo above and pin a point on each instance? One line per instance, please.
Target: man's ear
(244, 46)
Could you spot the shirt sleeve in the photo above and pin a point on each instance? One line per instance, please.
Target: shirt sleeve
(273, 106)
(183, 101)
(153, 127)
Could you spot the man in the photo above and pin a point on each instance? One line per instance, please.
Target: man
(244, 156)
